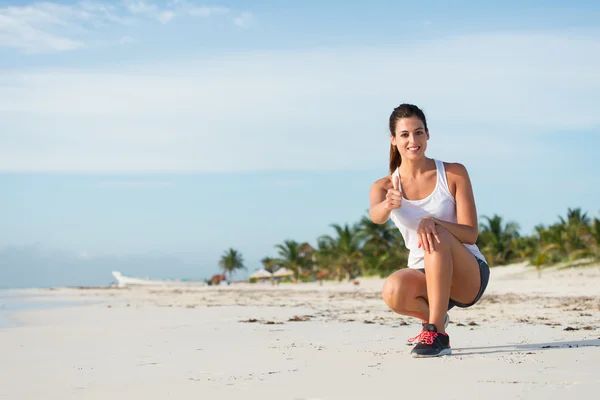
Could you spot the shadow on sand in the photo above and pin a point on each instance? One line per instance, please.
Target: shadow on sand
(517, 348)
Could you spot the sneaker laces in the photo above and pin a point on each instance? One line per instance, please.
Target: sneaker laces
(424, 337)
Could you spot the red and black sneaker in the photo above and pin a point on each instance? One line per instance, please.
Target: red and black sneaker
(431, 343)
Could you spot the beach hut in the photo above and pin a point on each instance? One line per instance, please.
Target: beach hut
(260, 274)
(283, 273)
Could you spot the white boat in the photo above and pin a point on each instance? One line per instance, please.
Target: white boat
(123, 281)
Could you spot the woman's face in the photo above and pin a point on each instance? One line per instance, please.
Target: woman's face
(411, 138)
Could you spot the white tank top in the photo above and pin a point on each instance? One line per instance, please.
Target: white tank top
(439, 204)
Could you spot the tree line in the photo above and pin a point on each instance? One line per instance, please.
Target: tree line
(368, 249)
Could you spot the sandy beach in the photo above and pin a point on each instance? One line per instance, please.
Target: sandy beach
(528, 338)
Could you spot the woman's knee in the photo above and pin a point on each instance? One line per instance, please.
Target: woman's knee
(445, 240)
(390, 289)
(398, 290)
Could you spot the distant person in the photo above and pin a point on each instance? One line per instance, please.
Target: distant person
(432, 204)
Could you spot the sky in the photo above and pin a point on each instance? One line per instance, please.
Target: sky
(149, 137)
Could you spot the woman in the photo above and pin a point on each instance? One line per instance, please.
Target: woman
(432, 204)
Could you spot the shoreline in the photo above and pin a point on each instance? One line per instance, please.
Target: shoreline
(15, 302)
(509, 287)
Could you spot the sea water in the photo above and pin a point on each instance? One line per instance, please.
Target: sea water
(13, 301)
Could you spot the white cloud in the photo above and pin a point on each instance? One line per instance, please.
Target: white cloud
(52, 27)
(206, 11)
(244, 20)
(31, 40)
(140, 7)
(196, 10)
(322, 109)
(42, 27)
(166, 17)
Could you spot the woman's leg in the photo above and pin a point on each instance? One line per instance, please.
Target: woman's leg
(452, 272)
(405, 292)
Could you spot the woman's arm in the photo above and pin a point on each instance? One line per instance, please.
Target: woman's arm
(466, 229)
(384, 197)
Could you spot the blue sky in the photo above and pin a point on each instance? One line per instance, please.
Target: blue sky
(151, 136)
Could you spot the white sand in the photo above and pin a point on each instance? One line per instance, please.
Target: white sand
(161, 343)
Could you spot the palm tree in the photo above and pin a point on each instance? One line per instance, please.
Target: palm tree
(269, 264)
(544, 255)
(371, 249)
(524, 247)
(594, 238)
(398, 255)
(575, 229)
(323, 257)
(551, 235)
(310, 258)
(231, 260)
(345, 249)
(495, 240)
(379, 236)
(374, 264)
(572, 238)
(293, 256)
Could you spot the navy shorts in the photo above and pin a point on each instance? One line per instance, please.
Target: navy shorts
(484, 273)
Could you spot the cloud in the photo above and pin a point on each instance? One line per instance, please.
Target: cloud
(166, 16)
(140, 7)
(43, 26)
(206, 11)
(53, 27)
(309, 110)
(244, 19)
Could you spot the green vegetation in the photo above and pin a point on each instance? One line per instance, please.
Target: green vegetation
(369, 249)
(231, 260)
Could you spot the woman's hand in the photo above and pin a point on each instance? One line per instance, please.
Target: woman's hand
(393, 197)
(426, 232)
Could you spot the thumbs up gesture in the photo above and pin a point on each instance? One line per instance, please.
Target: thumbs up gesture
(393, 197)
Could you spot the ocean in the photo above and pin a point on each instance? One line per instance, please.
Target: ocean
(15, 300)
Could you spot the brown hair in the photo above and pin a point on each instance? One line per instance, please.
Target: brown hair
(402, 111)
